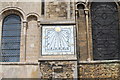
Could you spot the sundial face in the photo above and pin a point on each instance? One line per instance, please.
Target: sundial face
(57, 40)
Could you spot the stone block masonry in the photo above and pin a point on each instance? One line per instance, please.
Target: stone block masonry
(58, 69)
(101, 71)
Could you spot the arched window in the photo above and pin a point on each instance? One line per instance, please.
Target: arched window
(105, 28)
(10, 44)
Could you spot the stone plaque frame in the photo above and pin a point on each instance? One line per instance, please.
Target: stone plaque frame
(52, 46)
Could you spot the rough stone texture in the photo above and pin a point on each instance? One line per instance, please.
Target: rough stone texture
(56, 9)
(100, 71)
(72, 9)
(59, 10)
(57, 69)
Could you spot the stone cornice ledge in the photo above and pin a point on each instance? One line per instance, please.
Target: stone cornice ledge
(99, 62)
(58, 22)
(19, 63)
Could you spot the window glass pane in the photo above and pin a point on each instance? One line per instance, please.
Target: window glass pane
(12, 26)
(10, 39)
(12, 19)
(11, 45)
(11, 32)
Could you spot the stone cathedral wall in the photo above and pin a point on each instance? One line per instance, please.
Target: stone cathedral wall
(29, 66)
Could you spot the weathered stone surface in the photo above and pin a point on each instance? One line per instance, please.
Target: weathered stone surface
(60, 10)
(100, 71)
(57, 69)
(56, 10)
(82, 36)
(20, 71)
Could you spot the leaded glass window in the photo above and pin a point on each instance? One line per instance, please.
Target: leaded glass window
(105, 27)
(10, 43)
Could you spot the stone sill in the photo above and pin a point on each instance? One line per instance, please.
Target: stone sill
(57, 58)
(99, 62)
(19, 63)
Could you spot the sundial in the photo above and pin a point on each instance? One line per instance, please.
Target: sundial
(57, 39)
